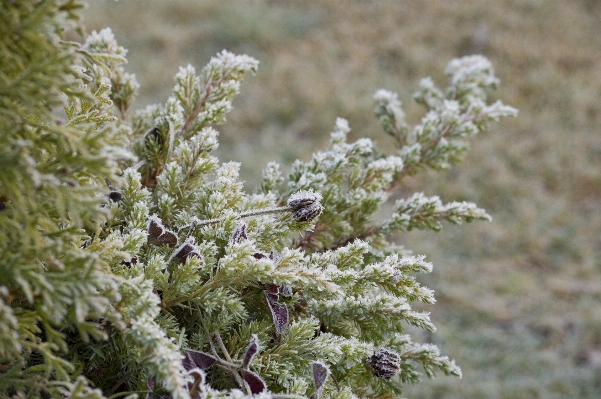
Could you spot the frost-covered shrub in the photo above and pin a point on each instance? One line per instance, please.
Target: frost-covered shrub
(134, 262)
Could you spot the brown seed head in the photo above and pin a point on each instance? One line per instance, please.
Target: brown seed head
(305, 205)
(385, 363)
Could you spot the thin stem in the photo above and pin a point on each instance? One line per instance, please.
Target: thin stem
(222, 346)
(204, 326)
(233, 371)
(120, 394)
(229, 366)
(281, 209)
(121, 381)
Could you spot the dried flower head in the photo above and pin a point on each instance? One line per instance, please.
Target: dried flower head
(385, 363)
(305, 205)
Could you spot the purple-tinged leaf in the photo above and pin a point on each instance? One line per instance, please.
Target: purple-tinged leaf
(273, 289)
(259, 255)
(155, 227)
(251, 351)
(239, 234)
(159, 233)
(255, 383)
(320, 375)
(187, 362)
(200, 359)
(279, 312)
(187, 249)
(168, 237)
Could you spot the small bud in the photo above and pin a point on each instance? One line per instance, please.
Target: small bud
(305, 205)
(385, 363)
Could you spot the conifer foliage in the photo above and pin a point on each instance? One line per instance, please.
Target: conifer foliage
(133, 262)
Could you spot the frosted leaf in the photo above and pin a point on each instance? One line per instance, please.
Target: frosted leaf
(320, 375)
(428, 94)
(251, 351)
(187, 249)
(255, 383)
(279, 312)
(498, 110)
(197, 359)
(389, 111)
(474, 68)
(158, 233)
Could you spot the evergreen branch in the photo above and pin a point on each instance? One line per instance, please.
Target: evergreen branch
(89, 249)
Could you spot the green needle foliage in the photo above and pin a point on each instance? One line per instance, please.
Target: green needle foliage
(133, 262)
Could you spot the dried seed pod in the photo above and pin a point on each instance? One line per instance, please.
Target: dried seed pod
(153, 134)
(385, 363)
(305, 205)
(308, 213)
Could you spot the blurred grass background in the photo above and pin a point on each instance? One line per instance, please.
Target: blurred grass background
(519, 299)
